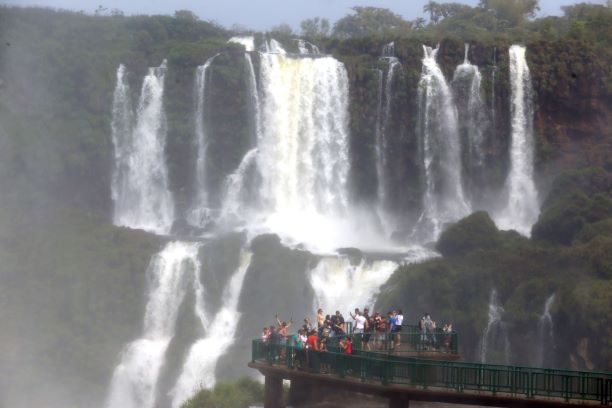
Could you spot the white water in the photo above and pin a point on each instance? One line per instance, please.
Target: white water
(522, 207)
(546, 338)
(199, 212)
(248, 42)
(493, 72)
(443, 200)
(466, 82)
(495, 336)
(199, 367)
(382, 136)
(236, 201)
(306, 47)
(141, 196)
(134, 381)
(338, 285)
(303, 152)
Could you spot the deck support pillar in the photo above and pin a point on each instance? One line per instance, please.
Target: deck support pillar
(273, 391)
(398, 401)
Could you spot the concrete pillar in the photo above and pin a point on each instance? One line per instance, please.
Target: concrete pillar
(273, 392)
(398, 401)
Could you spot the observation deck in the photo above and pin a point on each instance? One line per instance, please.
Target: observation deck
(420, 372)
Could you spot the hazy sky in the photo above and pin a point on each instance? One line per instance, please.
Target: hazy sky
(262, 14)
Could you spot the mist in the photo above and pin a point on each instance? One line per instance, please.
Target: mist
(170, 182)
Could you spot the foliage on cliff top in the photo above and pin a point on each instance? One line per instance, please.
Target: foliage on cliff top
(242, 393)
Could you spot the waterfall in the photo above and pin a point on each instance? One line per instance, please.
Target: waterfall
(440, 150)
(134, 381)
(522, 207)
(140, 179)
(199, 367)
(495, 336)
(339, 284)
(546, 338)
(199, 211)
(303, 152)
(236, 195)
(248, 42)
(388, 54)
(380, 191)
(472, 118)
(493, 72)
(306, 47)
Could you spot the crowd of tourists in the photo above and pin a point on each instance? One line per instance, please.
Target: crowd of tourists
(372, 331)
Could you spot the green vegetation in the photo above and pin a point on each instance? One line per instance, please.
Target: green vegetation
(240, 394)
(567, 257)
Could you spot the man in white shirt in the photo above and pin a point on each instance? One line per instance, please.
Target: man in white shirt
(360, 322)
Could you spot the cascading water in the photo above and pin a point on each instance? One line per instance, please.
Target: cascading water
(440, 150)
(466, 83)
(472, 121)
(303, 152)
(338, 284)
(236, 198)
(134, 381)
(493, 72)
(306, 47)
(522, 205)
(140, 179)
(199, 368)
(495, 339)
(388, 54)
(546, 338)
(199, 213)
(235, 201)
(248, 42)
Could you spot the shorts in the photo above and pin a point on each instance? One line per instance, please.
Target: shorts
(366, 337)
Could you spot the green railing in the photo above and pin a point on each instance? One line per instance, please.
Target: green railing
(411, 341)
(526, 382)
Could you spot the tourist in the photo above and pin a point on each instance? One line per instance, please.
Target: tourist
(368, 330)
(380, 327)
(283, 328)
(399, 320)
(312, 347)
(320, 320)
(337, 324)
(391, 321)
(423, 332)
(360, 322)
(265, 334)
(346, 345)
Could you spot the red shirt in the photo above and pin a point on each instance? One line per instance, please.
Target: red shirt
(348, 347)
(312, 342)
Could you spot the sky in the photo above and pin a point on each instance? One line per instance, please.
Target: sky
(263, 14)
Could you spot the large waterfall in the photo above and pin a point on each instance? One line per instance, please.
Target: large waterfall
(140, 179)
(134, 382)
(303, 153)
(522, 203)
(199, 212)
(440, 150)
(199, 368)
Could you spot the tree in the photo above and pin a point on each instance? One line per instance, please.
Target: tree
(187, 15)
(283, 29)
(368, 21)
(438, 11)
(315, 27)
(514, 12)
